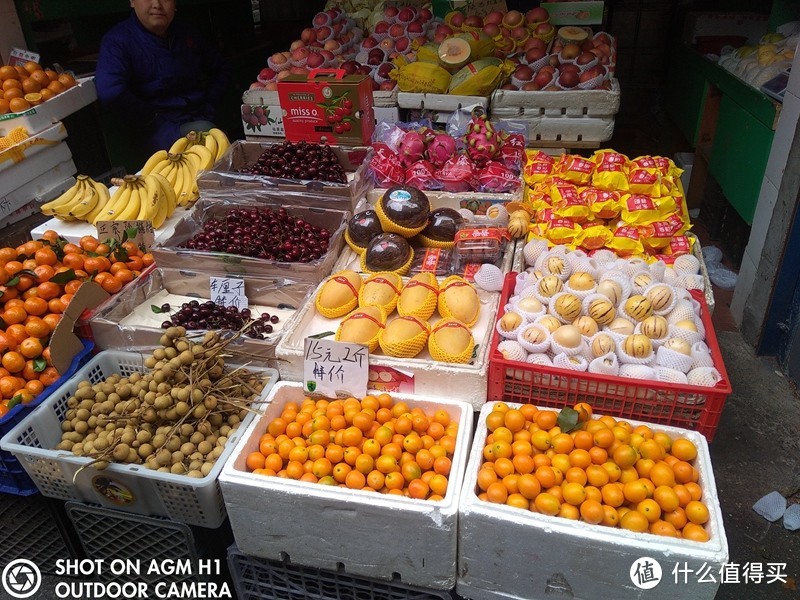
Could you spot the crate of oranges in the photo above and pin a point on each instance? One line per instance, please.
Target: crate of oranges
(37, 282)
(580, 498)
(368, 484)
(54, 95)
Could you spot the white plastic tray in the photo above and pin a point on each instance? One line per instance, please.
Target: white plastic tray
(367, 533)
(63, 475)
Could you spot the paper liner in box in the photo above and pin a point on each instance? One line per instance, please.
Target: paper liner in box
(512, 350)
(570, 363)
(701, 356)
(372, 343)
(627, 359)
(407, 348)
(539, 359)
(637, 371)
(301, 64)
(539, 348)
(593, 83)
(668, 375)
(664, 309)
(667, 357)
(520, 282)
(704, 376)
(538, 64)
(403, 270)
(608, 364)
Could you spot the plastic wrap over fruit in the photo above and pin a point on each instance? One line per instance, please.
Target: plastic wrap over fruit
(458, 175)
(385, 167)
(440, 149)
(481, 77)
(422, 175)
(603, 204)
(594, 236)
(626, 241)
(497, 177)
(563, 232)
(512, 151)
(567, 202)
(657, 235)
(421, 77)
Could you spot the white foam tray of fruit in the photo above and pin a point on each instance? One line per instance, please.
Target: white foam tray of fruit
(466, 382)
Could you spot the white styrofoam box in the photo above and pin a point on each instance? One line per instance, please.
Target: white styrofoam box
(591, 561)
(132, 488)
(477, 202)
(262, 97)
(390, 115)
(370, 534)
(42, 195)
(566, 103)
(439, 102)
(39, 187)
(685, 161)
(446, 380)
(40, 117)
(73, 231)
(32, 145)
(562, 129)
(21, 213)
(31, 168)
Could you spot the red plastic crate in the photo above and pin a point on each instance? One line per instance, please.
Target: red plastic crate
(688, 406)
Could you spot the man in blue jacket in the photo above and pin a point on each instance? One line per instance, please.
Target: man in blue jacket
(159, 75)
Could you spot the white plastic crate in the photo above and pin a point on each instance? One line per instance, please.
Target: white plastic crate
(353, 531)
(134, 488)
(505, 552)
(260, 579)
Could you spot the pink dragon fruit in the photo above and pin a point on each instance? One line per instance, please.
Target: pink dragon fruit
(483, 143)
(441, 149)
(457, 174)
(421, 175)
(427, 134)
(385, 166)
(496, 177)
(412, 148)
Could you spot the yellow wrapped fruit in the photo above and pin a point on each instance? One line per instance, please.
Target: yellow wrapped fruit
(451, 341)
(480, 77)
(339, 294)
(404, 337)
(459, 300)
(381, 289)
(419, 297)
(362, 326)
(422, 77)
(428, 53)
(482, 45)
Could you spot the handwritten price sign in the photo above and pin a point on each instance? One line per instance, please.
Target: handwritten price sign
(335, 368)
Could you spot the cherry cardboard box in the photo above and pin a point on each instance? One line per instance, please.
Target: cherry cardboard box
(327, 105)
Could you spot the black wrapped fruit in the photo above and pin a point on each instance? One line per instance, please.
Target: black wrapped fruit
(403, 209)
(441, 230)
(387, 252)
(361, 228)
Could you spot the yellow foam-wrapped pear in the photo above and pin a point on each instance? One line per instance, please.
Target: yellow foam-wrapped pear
(459, 300)
(339, 294)
(451, 341)
(381, 289)
(404, 337)
(419, 297)
(362, 326)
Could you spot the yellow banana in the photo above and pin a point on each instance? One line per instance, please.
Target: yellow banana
(65, 199)
(131, 211)
(179, 145)
(210, 142)
(193, 158)
(222, 141)
(207, 158)
(82, 195)
(118, 201)
(88, 203)
(154, 160)
(170, 199)
(178, 185)
(102, 202)
(189, 172)
(155, 191)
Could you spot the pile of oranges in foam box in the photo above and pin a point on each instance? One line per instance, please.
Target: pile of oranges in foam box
(28, 85)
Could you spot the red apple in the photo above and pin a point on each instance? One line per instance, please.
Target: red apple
(278, 58)
(535, 43)
(284, 74)
(376, 56)
(543, 77)
(520, 34)
(332, 46)
(337, 28)
(384, 69)
(456, 18)
(321, 19)
(536, 15)
(350, 67)
(473, 21)
(424, 15)
(587, 45)
(506, 46)
(513, 18)
(381, 27)
(402, 44)
(406, 14)
(606, 85)
(569, 68)
(298, 70)
(308, 35)
(387, 44)
(369, 42)
(534, 54)
(266, 74)
(387, 86)
(334, 14)
(300, 54)
(584, 58)
(568, 79)
(327, 54)
(531, 87)
(324, 33)
(375, 85)
(440, 37)
(508, 86)
(445, 29)
(495, 17)
(554, 62)
(397, 30)
(390, 12)
(315, 60)
(523, 73)
(364, 70)
(543, 29)
(415, 27)
(491, 29)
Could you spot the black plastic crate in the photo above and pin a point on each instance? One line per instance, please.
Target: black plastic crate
(35, 528)
(261, 579)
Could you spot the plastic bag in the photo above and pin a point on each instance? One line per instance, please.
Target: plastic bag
(720, 276)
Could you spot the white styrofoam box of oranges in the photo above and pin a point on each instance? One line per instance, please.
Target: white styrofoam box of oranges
(466, 382)
(42, 116)
(31, 168)
(369, 533)
(508, 552)
(29, 145)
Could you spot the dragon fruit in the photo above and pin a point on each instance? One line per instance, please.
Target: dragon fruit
(512, 152)
(385, 166)
(427, 134)
(412, 148)
(496, 177)
(421, 175)
(483, 142)
(457, 174)
(441, 149)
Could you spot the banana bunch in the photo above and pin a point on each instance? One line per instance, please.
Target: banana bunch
(84, 201)
(214, 140)
(141, 198)
(180, 170)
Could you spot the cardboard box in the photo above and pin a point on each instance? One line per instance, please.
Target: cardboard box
(575, 13)
(168, 253)
(41, 117)
(419, 375)
(327, 106)
(262, 120)
(505, 552)
(225, 177)
(365, 533)
(32, 145)
(127, 322)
